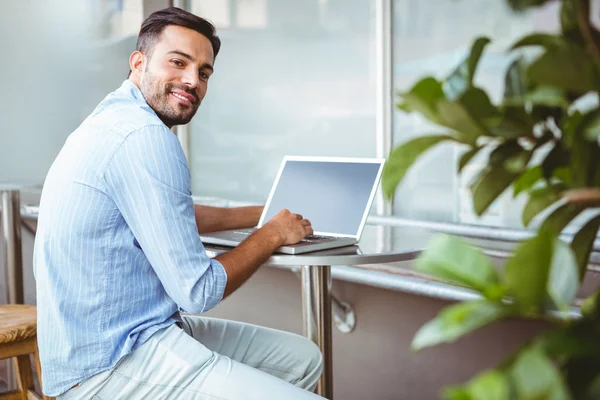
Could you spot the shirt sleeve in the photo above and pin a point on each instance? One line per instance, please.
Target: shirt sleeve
(149, 180)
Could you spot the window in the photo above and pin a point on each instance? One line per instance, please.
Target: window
(292, 78)
(432, 41)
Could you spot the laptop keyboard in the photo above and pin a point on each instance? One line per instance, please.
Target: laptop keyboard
(246, 232)
(317, 238)
(309, 238)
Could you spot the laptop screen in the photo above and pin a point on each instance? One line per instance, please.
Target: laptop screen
(334, 195)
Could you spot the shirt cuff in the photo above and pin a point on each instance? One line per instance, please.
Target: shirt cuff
(220, 279)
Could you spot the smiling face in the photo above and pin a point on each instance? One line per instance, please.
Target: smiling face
(173, 77)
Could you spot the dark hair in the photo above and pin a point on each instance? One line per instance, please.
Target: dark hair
(153, 26)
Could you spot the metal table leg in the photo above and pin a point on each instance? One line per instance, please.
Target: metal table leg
(316, 310)
(11, 230)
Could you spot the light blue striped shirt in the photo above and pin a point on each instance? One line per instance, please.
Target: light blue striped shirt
(117, 252)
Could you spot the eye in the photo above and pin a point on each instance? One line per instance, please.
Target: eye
(177, 63)
(204, 75)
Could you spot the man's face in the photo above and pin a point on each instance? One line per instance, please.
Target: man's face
(175, 77)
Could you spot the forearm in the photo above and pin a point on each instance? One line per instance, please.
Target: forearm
(212, 219)
(243, 261)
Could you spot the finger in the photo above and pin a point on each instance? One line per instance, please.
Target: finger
(308, 230)
(305, 222)
(298, 216)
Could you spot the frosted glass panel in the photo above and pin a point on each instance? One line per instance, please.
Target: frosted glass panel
(62, 59)
(432, 41)
(293, 78)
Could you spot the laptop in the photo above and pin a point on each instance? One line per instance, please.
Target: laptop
(334, 194)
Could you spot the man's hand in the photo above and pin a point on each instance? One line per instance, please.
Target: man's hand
(291, 228)
(241, 262)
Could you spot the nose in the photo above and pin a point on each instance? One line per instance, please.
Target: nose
(190, 78)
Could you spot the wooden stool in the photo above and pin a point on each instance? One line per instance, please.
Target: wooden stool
(18, 339)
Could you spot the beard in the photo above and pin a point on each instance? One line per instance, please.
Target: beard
(159, 99)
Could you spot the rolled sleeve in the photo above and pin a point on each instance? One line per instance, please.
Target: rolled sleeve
(149, 181)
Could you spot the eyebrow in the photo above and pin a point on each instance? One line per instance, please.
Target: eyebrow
(192, 59)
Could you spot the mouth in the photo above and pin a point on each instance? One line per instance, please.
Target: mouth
(184, 98)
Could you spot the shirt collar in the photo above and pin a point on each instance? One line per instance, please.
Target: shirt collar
(129, 88)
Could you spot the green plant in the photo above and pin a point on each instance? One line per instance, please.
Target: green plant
(543, 140)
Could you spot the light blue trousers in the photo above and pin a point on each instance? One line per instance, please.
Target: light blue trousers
(211, 359)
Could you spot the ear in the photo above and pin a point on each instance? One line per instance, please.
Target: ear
(137, 61)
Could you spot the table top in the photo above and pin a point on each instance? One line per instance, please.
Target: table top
(378, 244)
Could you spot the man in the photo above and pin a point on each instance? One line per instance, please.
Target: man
(118, 256)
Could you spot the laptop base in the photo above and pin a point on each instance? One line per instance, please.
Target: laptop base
(233, 239)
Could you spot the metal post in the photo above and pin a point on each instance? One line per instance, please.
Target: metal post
(316, 309)
(10, 216)
(384, 89)
(13, 256)
(183, 131)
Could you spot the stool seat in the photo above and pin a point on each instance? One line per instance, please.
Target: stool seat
(17, 322)
(18, 340)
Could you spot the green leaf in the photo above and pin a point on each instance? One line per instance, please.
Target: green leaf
(478, 104)
(462, 77)
(568, 342)
(515, 80)
(564, 175)
(403, 157)
(423, 98)
(450, 258)
(489, 185)
(584, 158)
(454, 115)
(589, 306)
(457, 320)
(517, 163)
(548, 96)
(592, 130)
(513, 122)
(570, 126)
(540, 39)
(592, 391)
(568, 68)
(583, 242)
(558, 157)
(504, 151)
(563, 280)
(527, 179)
(569, 24)
(581, 375)
(542, 101)
(516, 120)
(457, 82)
(539, 200)
(456, 393)
(561, 217)
(527, 271)
(466, 157)
(535, 377)
(488, 385)
(476, 51)
(523, 5)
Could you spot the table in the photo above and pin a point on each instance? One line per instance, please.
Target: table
(378, 244)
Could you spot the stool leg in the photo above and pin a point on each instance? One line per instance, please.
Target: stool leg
(38, 368)
(24, 376)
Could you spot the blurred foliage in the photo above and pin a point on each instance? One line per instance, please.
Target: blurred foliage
(543, 141)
